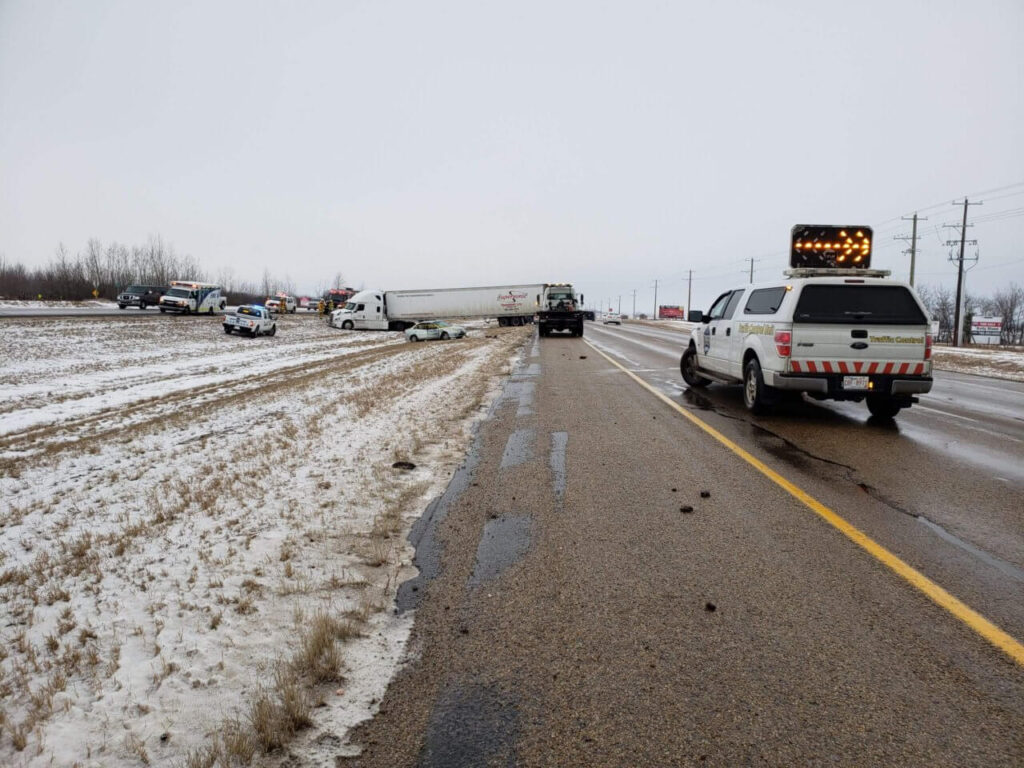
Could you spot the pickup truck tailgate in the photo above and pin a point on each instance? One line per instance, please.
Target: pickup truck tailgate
(859, 329)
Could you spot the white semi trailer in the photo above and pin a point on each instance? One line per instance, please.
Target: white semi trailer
(397, 310)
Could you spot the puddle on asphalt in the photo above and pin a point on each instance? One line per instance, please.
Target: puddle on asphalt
(524, 392)
(470, 727)
(518, 449)
(504, 542)
(423, 534)
(559, 442)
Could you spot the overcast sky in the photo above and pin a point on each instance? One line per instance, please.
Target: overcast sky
(444, 144)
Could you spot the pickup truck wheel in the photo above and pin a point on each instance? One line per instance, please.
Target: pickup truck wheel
(348, 325)
(414, 338)
(121, 306)
(255, 332)
(444, 335)
(883, 406)
(162, 310)
(227, 329)
(756, 395)
(273, 330)
(688, 368)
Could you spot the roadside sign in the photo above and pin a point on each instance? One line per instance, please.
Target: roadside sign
(986, 329)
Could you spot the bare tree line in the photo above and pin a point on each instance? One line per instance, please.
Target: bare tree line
(1007, 302)
(109, 269)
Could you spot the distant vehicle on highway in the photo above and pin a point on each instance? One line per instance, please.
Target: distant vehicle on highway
(252, 319)
(140, 296)
(833, 329)
(612, 317)
(434, 329)
(190, 297)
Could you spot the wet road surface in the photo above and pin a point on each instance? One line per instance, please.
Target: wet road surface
(606, 585)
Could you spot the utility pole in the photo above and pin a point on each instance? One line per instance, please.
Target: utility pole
(655, 315)
(689, 293)
(634, 304)
(957, 329)
(913, 241)
(620, 303)
(752, 268)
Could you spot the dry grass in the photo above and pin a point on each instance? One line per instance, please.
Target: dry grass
(66, 576)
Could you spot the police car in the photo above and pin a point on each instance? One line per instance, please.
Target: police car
(833, 329)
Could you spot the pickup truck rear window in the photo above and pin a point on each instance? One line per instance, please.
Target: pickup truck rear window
(249, 311)
(860, 304)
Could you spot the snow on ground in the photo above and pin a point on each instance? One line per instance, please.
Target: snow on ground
(998, 362)
(201, 535)
(52, 303)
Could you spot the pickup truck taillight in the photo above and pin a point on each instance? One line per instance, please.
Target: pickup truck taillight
(928, 346)
(784, 343)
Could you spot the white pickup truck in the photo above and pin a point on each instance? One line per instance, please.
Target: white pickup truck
(251, 319)
(833, 329)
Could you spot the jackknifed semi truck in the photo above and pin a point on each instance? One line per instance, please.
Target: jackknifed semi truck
(398, 310)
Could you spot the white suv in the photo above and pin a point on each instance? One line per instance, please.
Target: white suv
(834, 334)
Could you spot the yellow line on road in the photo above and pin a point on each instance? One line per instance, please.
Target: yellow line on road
(1000, 639)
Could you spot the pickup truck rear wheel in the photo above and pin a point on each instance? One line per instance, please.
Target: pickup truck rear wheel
(688, 368)
(227, 329)
(255, 331)
(444, 335)
(757, 396)
(273, 330)
(883, 406)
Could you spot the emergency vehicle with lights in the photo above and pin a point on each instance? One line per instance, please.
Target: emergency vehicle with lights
(252, 319)
(834, 329)
(190, 297)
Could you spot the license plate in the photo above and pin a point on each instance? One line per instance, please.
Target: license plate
(855, 382)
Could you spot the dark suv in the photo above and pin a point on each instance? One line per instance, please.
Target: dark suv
(140, 296)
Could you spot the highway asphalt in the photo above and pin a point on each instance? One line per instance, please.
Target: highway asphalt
(607, 583)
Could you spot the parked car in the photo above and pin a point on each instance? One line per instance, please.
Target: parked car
(434, 329)
(281, 304)
(612, 317)
(140, 296)
(252, 319)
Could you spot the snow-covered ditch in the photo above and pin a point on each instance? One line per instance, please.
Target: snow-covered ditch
(201, 535)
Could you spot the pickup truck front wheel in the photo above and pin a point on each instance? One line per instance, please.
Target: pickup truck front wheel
(688, 367)
(757, 396)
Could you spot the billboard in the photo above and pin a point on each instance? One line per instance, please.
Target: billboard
(986, 329)
(666, 312)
